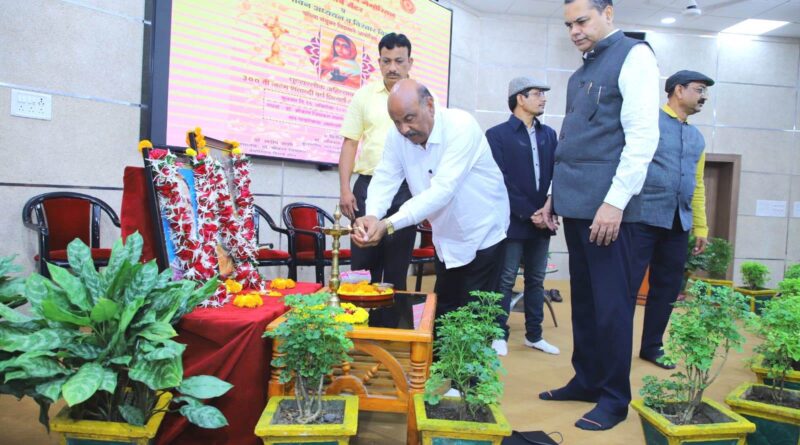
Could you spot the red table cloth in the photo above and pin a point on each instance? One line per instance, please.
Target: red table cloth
(226, 342)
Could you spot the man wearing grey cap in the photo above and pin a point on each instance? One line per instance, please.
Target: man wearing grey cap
(524, 149)
(673, 201)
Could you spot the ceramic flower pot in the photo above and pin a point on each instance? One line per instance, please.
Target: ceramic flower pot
(660, 431)
(757, 297)
(792, 377)
(322, 434)
(453, 432)
(93, 432)
(775, 425)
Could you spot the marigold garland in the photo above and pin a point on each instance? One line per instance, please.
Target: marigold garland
(251, 299)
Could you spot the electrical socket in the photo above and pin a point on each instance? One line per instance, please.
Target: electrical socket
(32, 105)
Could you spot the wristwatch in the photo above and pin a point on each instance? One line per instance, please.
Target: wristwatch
(389, 226)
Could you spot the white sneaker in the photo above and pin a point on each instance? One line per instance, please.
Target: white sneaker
(501, 347)
(452, 392)
(543, 346)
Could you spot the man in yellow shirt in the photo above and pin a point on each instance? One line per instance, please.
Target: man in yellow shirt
(367, 120)
(672, 202)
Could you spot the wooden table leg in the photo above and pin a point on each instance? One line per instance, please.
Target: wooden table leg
(420, 353)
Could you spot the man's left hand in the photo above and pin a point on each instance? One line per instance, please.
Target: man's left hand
(700, 245)
(605, 227)
(368, 231)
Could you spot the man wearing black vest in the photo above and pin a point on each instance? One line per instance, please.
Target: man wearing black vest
(608, 138)
(673, 201)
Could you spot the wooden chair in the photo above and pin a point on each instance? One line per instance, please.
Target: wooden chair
(423, 254)
(60, 217)
(267, 256)
(307, 244)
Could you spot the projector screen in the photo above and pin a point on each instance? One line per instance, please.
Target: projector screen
(277, 75)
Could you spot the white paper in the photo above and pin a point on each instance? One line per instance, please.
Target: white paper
(796, 212)
(775, 209)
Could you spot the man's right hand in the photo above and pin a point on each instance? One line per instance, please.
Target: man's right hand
(348, 205)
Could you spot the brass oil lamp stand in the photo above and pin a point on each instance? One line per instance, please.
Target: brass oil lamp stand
(336, 231)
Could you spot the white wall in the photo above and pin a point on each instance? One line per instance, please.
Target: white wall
(88, 54)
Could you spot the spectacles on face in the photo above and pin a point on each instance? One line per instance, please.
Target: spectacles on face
(703, 91)
(535, 93)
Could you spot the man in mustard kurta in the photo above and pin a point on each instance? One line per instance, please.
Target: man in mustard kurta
(672, 203)
(367, 121)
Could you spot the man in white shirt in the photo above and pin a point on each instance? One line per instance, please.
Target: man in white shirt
(456, 185)
(608, 138)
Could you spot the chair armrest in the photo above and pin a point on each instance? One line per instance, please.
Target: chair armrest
(307, 232)
(269, 246)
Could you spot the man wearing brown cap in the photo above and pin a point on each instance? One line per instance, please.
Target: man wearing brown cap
(673, 201)
(524, 149)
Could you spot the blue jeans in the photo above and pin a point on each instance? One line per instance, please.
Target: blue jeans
(534, 254)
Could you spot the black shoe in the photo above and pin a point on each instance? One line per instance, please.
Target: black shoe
(555, 295)
(655, 360)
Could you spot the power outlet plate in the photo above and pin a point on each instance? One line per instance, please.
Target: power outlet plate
(31, 105)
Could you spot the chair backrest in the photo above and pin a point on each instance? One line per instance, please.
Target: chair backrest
(64, 216)
(426, 234)
(300, 215)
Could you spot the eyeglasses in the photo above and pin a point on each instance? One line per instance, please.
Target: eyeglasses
(701, 91)
(535, 93)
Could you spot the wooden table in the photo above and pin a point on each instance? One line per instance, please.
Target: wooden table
(390, 359)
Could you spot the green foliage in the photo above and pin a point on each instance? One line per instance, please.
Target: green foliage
(102, 340)
(792, 271)
(789, 286)
(311, 342)
(754, 274)
(715, 260)
(779, 327)
(702, 328)
(465, 356)
(11, 288)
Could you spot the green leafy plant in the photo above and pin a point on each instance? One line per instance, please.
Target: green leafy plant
(702, 329)
(311, 343)
(102, 340)
(779, 327)
(11, 288)
(754, 274)
(789, 286)
(792, 271)
(714, 260)
(465, 356)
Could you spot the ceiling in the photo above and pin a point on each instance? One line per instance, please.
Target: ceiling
(717, 14)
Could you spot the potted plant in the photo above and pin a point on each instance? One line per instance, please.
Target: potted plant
(792, 271)
(714, 262)
(466, 359)
(771, 405)
(102, 342)
(755, 276)
(789, 286)
(11, 288)
(311, 342)
(704, 328)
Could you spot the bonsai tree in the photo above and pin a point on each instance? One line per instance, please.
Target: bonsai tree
(312, 342)
(11, 288)
(102, 340)
(704, 328)
(754, 274)
(715, 260)
(792, 271)
(465, 356)
(779, 326)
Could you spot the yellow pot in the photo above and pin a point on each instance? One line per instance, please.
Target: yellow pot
(336, 434)
(792, 377)
(775, 425)
(77, 432)
(757, 297)
(660, 431)
(452, 432)
(713, 281)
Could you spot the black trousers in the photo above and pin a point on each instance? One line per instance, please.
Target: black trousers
(388, 261)
(454, 285)
(665, 251)
(602, 316)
